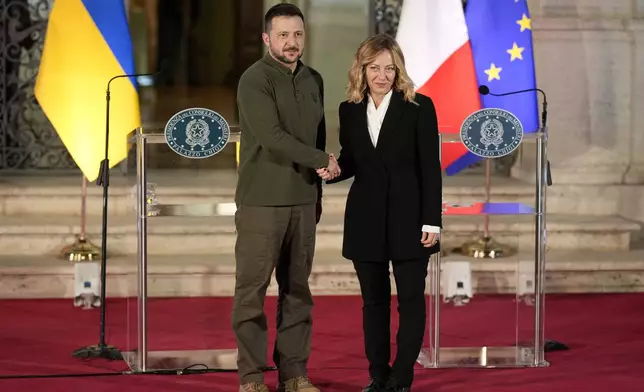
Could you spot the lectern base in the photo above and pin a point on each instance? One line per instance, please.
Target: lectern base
(480, 357)
(195, 360)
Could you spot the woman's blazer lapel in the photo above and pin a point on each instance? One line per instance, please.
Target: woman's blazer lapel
(392, 119)
(388, 129)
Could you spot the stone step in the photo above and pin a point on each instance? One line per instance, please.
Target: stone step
(61, 194)
(47, 234)
(196, 275)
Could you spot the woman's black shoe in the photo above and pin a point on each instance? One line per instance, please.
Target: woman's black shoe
(375, 385)
(393, 386)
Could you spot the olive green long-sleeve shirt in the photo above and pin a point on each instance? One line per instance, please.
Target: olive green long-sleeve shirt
(283, 135)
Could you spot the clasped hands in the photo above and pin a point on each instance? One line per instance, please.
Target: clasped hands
(331, 171)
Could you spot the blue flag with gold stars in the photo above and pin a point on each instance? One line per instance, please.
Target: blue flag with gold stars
(500, 33)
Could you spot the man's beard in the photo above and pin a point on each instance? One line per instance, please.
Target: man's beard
(283, 58)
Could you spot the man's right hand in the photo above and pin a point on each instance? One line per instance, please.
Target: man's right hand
(331, 171)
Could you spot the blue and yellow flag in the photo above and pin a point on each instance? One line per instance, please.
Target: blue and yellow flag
(500, 32)
(87, 43)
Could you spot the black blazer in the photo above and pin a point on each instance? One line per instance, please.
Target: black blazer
(397, 187)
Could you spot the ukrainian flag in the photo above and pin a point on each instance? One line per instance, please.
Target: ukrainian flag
(87, 43)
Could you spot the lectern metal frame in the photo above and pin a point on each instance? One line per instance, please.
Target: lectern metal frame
(533, 355)
(142, 359)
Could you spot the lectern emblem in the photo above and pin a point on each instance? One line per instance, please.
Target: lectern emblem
(197, 133)
(491, 133)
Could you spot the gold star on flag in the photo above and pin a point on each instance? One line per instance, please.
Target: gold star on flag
(525, 23)
(493, 73)
(515, 52)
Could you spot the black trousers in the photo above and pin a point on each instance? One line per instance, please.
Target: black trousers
(375, 286)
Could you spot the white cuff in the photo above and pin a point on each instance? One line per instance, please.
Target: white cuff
(431, 229)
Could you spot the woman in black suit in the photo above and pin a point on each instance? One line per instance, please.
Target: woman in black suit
(389, 143)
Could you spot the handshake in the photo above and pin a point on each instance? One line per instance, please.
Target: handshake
(331, 171)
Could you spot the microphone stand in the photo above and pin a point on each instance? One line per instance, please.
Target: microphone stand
(102, 350)
(549, 344)
(484, 90)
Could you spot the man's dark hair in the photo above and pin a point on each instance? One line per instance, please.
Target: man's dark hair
(281, 9)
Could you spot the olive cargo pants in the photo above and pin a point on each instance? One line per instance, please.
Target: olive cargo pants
(280, 239)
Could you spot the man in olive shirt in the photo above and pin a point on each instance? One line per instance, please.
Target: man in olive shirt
(278, 201)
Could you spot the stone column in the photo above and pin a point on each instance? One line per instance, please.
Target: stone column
(635, 171)
(335, 29)
(587, 54)
(267, 5)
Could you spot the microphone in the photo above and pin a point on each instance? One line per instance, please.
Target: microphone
(485, 90)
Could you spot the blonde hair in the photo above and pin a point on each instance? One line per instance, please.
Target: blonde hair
(366, 54)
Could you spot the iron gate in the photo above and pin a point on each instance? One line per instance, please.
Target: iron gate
(27, 139)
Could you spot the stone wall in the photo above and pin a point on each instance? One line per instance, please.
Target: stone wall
(589, 56)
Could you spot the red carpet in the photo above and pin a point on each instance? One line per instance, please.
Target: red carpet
(605, 334)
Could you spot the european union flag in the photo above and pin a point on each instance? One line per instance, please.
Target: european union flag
(500, 33)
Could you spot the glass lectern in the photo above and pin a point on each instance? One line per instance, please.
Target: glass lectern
(140, 357)
(502, 325)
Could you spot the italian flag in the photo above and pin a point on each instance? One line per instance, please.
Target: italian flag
(438, 56)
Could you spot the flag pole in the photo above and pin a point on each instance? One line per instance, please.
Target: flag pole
(237, 146)
(485, 247)
(82, 249)
(488, 183)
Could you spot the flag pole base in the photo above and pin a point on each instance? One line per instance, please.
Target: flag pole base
(485, 248)
(81, 250)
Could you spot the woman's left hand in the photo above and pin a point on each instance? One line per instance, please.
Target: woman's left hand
(429, 239)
